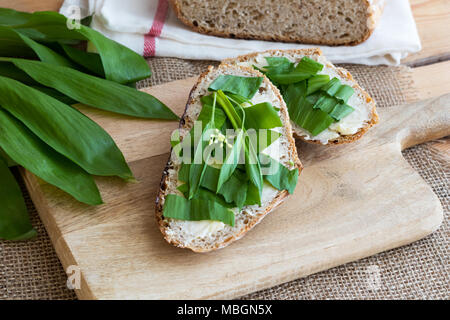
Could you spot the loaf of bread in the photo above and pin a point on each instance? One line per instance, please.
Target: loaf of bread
(206, 235)
(326, 22)
(346, 130)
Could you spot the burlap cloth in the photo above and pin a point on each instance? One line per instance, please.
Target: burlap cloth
(31, 270)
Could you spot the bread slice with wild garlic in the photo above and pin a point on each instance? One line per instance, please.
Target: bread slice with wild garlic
(203, 236)
(347, 130)
(338, 22)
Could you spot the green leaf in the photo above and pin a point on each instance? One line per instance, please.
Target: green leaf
(178, 207)
(10, 17)
(205, 194)
(234, 190)
(288, 78)
(91, 61)
(9, 162)
(14, 220)
(308, 65)
(301, 110)
(65, 129)
(29, 151)
(253, 167)
(120, 64)
(316, 82)
(55, 94)
(281, 178)
(253, 195)
(243, 86)
(9, 70)
(206, 112)
(198, 167)
(95, 92)
(252, 164)
(278, 65)
(325, 103)
(340, 111)
(230, 111)
(344, 93)
(24, 43)
(124, 65)
(332, 87)
(262, 116)
(316, 121)
(231, 160)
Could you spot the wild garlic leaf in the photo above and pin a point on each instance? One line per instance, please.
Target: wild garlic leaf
(198, 167)
(280, 177)
(262, 116)
(229, 110)
(205, 194)
(308, 65)
(206, 112)
(7, 159)
(340, 111)
(301, 109)
(253, 195)
(89, 60)
(316, 82)
(14, 220)
(123, 66)
(234, 190)
(231, 160)
(325, 103)
(95, 92)
(10, 17)
(7, 69)
(178, 207)
(22, 45)
(55, 94)
(243, 86)
(199, 164)
(26, 149)
(278, 65)
(289, 78)
(253, 167)
(64, 129)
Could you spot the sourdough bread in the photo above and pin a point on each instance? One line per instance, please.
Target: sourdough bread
(203, 236)
(346, 130)
(338, 22)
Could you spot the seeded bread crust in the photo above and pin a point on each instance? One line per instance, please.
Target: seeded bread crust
(187, 123)
(373, 11)
(341, 72)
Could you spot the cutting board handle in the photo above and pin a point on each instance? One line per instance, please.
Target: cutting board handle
(417, 122)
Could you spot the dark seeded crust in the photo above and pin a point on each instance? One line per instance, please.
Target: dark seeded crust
(342, 72)
(254, 220)
(372, 15)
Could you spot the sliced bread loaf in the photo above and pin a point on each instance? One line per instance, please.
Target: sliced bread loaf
(339, 22)
(207, 235)
(348, 129)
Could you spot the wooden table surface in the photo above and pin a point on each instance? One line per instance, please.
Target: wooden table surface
(431, 66)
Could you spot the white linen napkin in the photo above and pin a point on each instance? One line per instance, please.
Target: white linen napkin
(151, 28)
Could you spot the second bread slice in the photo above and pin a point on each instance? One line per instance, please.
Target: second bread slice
(350, 128)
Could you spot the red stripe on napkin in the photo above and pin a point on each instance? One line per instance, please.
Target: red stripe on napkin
(157, 26)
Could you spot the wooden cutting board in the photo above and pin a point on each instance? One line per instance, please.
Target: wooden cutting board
(352, 201)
